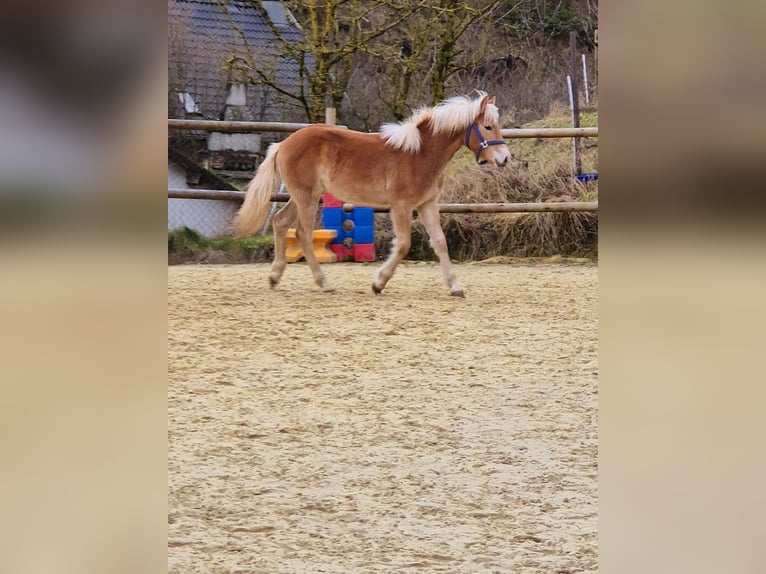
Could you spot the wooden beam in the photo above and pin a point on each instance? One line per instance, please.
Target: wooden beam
(510, 133)
(443, 207)
(231, 126)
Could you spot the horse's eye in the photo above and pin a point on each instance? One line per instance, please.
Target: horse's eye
(488, 128)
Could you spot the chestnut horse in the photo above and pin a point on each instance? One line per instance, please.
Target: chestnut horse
(401, 168)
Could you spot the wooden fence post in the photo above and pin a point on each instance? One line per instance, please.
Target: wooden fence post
(575, 99)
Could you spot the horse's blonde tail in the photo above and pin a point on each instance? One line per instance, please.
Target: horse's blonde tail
(255, 208)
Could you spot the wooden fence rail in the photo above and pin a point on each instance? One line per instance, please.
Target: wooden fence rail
(241, 127)
(443, 207)
(238, 127)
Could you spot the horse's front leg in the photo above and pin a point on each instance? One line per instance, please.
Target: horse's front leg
(401, 217)
(429, 214)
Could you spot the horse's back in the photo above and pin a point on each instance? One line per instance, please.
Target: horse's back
(324, 135)
(332, 158)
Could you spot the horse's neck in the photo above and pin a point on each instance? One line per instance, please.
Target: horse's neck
(440, 148)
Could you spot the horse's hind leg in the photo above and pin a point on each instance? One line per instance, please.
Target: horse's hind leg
(284, 218)
(429, 214)
(306, 215)
(402, 221)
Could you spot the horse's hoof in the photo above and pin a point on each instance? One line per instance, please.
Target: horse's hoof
(377, 290)
(273, 282)
(458, 293)
(328, 289)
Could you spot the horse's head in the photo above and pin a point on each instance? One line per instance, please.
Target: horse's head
(484, 138)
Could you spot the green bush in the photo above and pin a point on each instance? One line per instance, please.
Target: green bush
(185, 245)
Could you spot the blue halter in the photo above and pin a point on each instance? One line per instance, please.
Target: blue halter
(483, 144)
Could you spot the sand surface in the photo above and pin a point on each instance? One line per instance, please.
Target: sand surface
(410, 432)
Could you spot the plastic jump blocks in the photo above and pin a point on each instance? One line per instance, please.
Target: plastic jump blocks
(355, 239)
(321, 239)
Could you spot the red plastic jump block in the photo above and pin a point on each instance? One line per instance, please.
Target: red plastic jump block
(364, 252)
(329, 200)
(359, 252)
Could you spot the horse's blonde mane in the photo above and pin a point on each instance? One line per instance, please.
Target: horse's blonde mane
(447, 117)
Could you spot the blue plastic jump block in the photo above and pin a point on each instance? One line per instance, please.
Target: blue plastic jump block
(332, 217)
(360, 234)
(361, 230)
(363, 234)
(586, 177)
(363, 215)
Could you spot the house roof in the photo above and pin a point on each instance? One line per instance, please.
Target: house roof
(203, 34)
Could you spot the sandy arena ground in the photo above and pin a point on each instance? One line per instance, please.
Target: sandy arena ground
(411, 432)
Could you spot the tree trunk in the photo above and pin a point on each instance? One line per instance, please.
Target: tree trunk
(444, 56)
(318, 88)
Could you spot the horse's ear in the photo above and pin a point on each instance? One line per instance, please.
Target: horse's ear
(483, 105)
(492, 101)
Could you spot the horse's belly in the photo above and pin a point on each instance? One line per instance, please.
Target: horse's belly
(362, 195)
